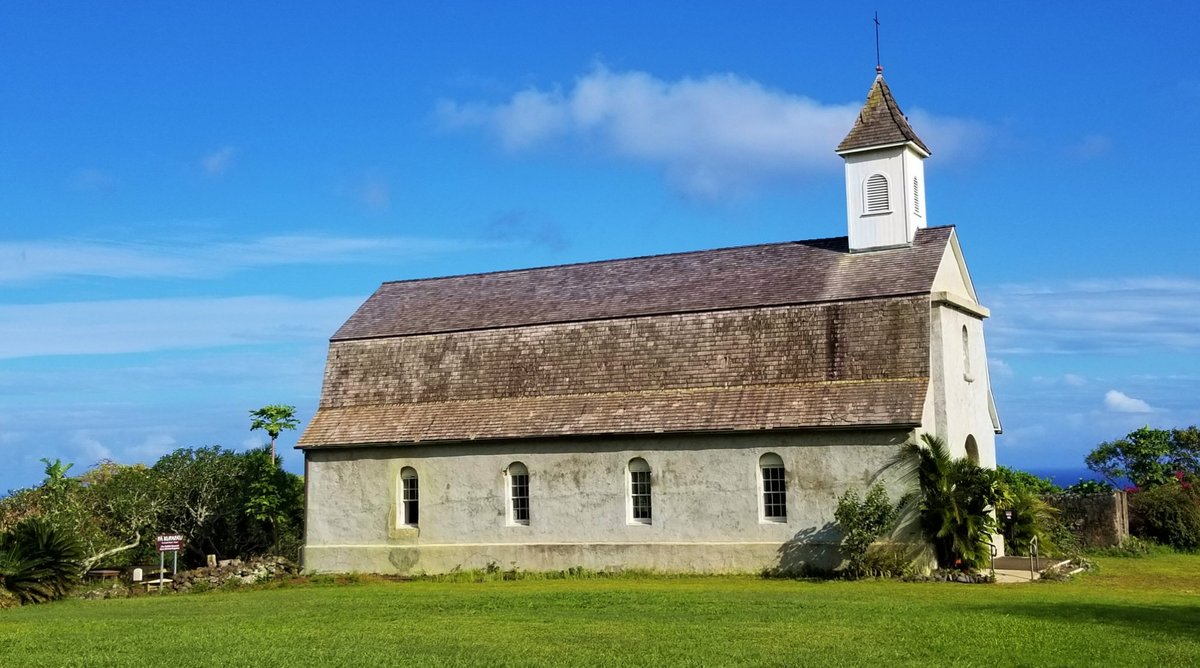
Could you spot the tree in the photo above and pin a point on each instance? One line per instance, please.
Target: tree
(202, 497)
(274, 418)
(1148, 457)
(950, 502)
(126, 503)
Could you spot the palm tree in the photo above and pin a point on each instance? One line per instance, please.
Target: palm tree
(950, 502)
(274, 418)
(38, 562)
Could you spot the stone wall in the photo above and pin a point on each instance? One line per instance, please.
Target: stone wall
(1098, 520)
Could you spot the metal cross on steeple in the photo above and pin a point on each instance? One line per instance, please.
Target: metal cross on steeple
(878, 63)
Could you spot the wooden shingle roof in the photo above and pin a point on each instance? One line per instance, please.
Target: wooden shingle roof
(880, 123)
(799, 272)
(801, 335)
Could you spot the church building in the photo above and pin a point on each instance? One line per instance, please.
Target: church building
(697, 411)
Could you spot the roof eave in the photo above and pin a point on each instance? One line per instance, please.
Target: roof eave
(909, 143)
(898, 425)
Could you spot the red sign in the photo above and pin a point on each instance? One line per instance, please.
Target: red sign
(170, 542)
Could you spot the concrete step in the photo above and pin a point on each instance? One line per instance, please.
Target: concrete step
(1017, 569)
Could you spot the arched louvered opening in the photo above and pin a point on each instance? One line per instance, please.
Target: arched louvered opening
(972, 450)
(916, 195)
(875, 194)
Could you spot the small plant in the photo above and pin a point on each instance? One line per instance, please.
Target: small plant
(862, 523)
(889, 560)
(1133, 547)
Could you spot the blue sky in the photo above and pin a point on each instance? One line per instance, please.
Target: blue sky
(193, 198)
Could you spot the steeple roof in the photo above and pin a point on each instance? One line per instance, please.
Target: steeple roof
(880, 123)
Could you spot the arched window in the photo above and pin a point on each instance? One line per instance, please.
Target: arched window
(409, 496)
(916, 195)
(518, 494)
(875, 194)
(972, 450)
(639, 491)
(966, 353)
(773, 484)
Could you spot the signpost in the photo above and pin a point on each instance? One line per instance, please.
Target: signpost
(172, 542)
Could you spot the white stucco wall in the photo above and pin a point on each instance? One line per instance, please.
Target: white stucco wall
(706, 503)
(959, 383)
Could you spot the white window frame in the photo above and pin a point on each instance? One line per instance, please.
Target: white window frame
(409, 497)
(517, 493)
(772, 489)
(639, 496)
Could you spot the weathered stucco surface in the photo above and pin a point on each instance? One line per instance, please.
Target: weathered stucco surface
(706, 503)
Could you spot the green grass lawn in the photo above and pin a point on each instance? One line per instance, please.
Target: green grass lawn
(1131, 612)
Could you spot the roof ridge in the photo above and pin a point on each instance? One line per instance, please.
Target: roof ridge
(615, 260)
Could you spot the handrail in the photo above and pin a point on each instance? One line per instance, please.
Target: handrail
(994, 551)
(1034, 558)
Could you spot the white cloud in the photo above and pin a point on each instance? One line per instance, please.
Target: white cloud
(1124, 316)
(139, 325)
(1119, 402)
(219, 161)
(714, 136)
(1074, 380)
(1000, 368)
(88, 449)
(200, 258)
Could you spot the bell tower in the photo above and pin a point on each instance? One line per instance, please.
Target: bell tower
(885, 175)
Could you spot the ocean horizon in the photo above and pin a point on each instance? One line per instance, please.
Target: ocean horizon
(1063, 476)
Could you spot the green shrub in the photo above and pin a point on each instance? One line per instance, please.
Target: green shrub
(1088, 487)
(1024, 516)
(1167, 514)
(1017, 480)
(890, 560)
(38, 561)
(1132, 546)
(862, 523)
(951, 502)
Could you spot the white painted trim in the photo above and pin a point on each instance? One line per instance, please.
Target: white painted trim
(958, 303)
(917, 149)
